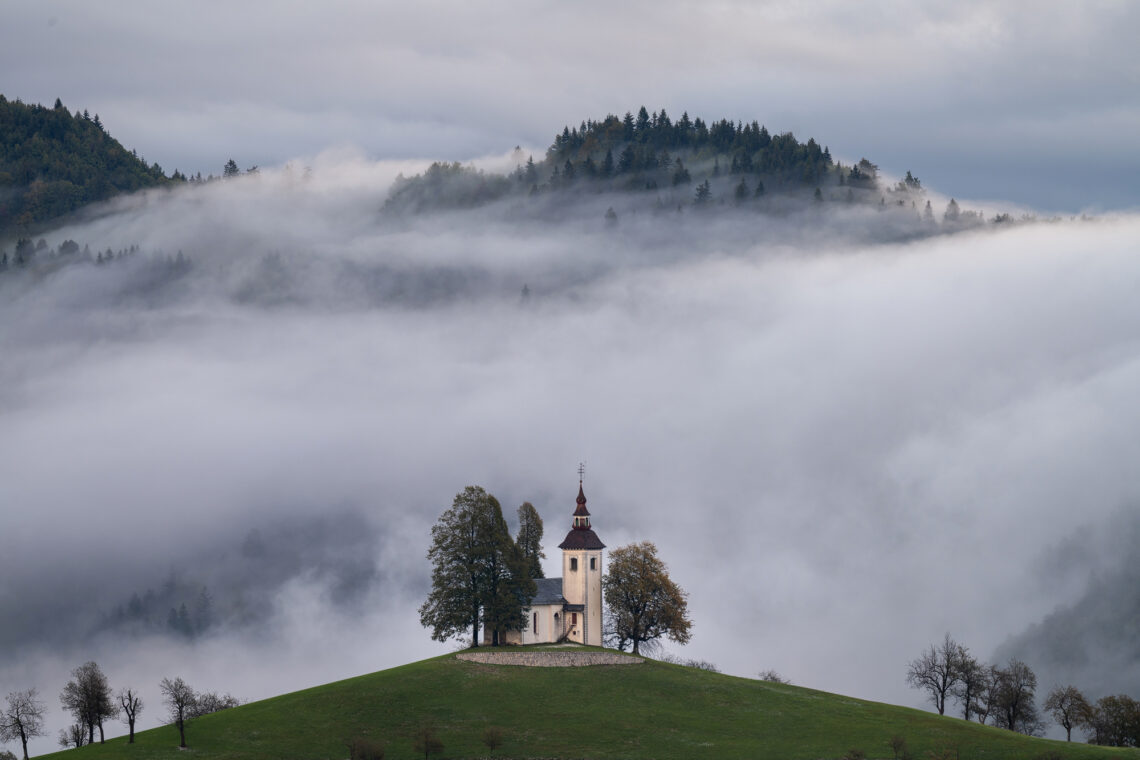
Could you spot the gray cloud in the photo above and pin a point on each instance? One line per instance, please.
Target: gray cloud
(839, 445)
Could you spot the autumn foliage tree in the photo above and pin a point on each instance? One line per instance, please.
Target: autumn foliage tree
(644, 604)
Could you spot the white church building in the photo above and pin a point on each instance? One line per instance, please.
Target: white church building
(568, 608)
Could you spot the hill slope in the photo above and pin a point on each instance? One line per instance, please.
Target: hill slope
(53, 162)
(653, 710)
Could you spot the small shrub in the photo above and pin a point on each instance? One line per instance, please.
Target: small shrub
(362, 748)
(855, 754)
(690, 663)
(897, 744)
(427, 741)
(771, 676)
(492, 738)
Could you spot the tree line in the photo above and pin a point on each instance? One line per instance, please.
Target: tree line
(1005, 696)
(641, 143)
(89, 699)
(481, 575)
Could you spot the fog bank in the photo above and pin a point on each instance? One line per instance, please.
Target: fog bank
(843, 448)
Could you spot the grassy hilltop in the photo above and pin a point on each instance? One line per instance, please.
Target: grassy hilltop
(653, 710)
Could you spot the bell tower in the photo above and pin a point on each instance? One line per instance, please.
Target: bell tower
(582, 576)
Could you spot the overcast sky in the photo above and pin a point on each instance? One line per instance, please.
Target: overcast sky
(1032, 102)
(843, 450)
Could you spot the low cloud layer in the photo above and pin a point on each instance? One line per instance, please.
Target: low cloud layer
(842, 449)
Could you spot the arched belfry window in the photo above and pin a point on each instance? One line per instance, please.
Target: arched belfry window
(573, 564)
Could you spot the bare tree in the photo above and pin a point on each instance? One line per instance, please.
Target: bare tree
(74, 735)
(23, 718)
(131, 705)
(1068, 707)
(87, 696)
(179, 699)
(937, 671)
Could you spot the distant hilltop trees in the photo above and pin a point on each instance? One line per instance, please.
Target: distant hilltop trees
(699, 162)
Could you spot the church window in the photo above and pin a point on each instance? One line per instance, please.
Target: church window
(535, 624)
(573, 564)
(573, 618)
(593, 564)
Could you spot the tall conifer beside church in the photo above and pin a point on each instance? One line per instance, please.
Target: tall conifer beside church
(568, 608)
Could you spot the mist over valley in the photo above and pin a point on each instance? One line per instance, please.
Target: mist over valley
(844, 322)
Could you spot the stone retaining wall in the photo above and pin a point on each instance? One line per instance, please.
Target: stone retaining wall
(549, 659)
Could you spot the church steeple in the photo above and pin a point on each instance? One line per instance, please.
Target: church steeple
(582, 575)
(581, 514)
(581, 535)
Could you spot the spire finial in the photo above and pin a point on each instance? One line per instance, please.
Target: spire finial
(581, 471)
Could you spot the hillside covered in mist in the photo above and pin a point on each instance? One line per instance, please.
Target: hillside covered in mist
(650, 163)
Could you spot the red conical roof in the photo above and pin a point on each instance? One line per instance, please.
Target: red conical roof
(581, 510)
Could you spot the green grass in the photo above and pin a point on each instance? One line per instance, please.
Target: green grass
(652, 710)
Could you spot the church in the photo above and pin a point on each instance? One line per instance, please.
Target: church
(568, 608)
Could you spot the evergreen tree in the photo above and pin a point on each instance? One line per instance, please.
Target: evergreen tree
(529, 538)
(641, 126)
(608, 163)
(230, 169)
(703, 194)
(681, 175)
(627, 160)
(741, 191)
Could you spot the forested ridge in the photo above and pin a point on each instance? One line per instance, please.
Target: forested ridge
(701, 161)
(53, 161)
